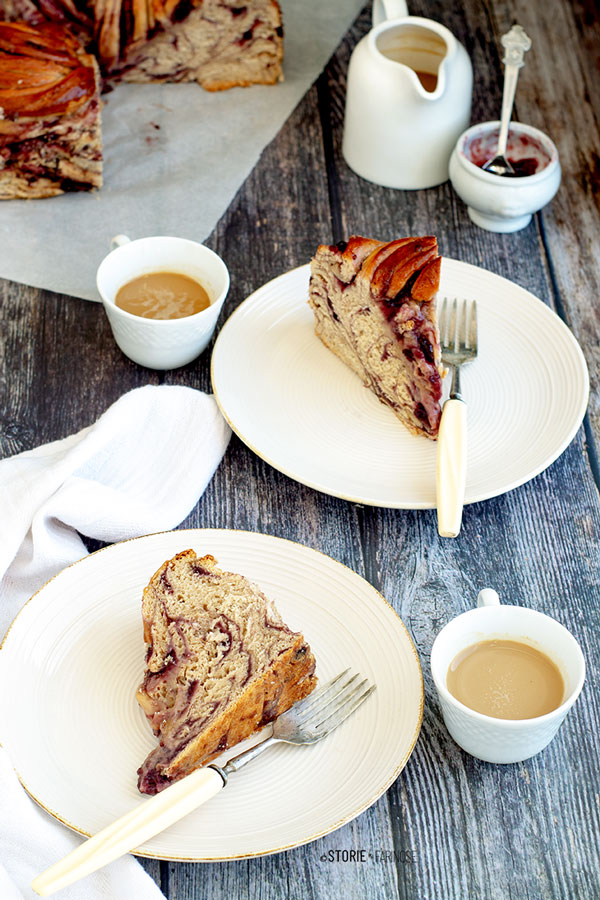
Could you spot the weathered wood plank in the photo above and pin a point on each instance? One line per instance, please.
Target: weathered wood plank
(559, 94)
(60, 367)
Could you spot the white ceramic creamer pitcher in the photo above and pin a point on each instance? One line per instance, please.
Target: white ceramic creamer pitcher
(408, 99)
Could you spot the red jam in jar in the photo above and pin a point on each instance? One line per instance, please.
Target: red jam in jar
(525, 154)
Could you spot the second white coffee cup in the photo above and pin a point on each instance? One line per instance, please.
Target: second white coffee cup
(505, 740)
(162, 343)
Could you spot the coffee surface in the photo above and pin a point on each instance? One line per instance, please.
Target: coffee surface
(162, 295)
(506, 679)
(428, 80)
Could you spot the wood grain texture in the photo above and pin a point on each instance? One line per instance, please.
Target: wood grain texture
(567, 108)
(451, 827)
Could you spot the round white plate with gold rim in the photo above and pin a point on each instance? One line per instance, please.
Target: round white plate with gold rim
(297, 406)
(76, 736)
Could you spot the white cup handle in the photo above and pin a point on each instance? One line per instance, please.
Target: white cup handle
(388, 9)
(488, 597)
(118, 241)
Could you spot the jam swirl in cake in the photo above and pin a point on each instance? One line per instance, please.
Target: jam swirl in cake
(221, 663)
(374, 308)
(50, 137)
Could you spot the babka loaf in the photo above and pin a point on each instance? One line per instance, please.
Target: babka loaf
(373, 307)
(218, 43)
(221, 663)
(50, 138)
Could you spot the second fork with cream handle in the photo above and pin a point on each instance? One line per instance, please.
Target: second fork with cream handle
(458, 339)
(307, 722)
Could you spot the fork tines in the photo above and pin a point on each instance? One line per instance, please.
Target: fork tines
(458, 325)
(329, 705)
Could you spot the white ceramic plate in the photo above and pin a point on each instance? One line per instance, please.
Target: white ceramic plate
(302, 410)
(75, 655)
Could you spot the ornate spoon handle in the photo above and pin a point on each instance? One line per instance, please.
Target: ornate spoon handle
(515, 43)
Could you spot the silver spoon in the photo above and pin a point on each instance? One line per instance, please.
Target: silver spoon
(515, 43)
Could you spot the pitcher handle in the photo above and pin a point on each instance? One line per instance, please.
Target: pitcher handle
(388, 9)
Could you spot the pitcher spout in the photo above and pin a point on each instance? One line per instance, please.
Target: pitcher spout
(429, 86)
(421, 46)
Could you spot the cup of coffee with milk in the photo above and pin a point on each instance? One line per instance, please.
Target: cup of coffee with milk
(506, 677)
(162, 297)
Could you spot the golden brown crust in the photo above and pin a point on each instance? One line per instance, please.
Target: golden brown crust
(44, 71)
(428, 282)
(50, 129)
(215, 85)
(390, 268)
(264, 700)
(355, 250)
(149, 40)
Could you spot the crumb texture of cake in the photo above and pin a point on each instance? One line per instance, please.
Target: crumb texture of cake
(50, 129)
(374, 307)
(221, 663)
(218, 43)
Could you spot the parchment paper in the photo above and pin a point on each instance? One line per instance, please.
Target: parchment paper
(175, 155)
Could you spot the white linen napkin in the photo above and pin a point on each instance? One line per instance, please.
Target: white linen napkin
(140, 468)
(31, 841)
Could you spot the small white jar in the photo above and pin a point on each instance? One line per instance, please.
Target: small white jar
(497, 202)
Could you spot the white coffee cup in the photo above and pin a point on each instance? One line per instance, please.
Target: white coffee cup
(505, 740)
(162, 343)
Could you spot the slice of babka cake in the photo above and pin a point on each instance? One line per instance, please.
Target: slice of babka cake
(50, 140)
(374, 308)
(221, 663)
(218, 43)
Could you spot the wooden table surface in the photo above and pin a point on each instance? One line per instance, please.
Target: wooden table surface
(525, 831)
